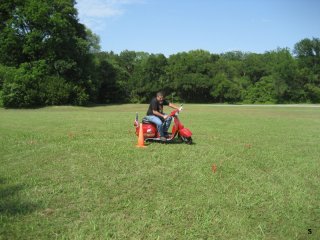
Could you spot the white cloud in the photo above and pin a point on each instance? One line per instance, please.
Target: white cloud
(94, 13)
(126, 1)
(103, 8)
(97, 9)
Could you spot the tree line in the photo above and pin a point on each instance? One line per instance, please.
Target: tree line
(47, 57)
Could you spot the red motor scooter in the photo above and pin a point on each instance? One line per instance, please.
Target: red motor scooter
(151, 134)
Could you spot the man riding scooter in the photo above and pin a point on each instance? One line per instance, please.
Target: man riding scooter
(156, 115)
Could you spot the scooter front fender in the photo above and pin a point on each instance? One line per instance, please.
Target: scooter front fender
(185, 132)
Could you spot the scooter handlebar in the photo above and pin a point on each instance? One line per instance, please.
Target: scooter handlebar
(173, 112)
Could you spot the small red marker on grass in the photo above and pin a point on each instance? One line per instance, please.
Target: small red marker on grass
(214, 168)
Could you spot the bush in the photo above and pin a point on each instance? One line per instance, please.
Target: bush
(20, 92)
(31, 85)
(262, 91)
(1, 100)
(21, 86)
(313, 92)
(80, 97)
(55, 91)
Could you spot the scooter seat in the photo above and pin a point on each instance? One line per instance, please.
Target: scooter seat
(145, 120)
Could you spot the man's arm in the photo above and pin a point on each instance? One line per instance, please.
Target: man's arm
(155, 112)
(165, 116)
(173, 106)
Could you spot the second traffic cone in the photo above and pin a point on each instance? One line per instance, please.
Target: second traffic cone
(140, 138)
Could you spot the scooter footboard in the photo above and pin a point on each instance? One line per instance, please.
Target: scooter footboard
(185, 132)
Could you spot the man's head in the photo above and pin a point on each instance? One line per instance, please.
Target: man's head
(160, 97)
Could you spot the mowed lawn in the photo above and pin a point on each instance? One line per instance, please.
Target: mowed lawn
(75, 173)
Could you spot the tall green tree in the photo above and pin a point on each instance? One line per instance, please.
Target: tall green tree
(46, 32)
(282, 67)
(254, 66)
(149, 77)
(307, 52)
(224, 89)
(262, 91)
(189, 75)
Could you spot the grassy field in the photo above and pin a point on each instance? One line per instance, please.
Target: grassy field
(75, 173)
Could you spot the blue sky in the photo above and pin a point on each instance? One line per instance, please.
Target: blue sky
(168, 27)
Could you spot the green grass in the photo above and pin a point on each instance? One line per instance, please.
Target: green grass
(75, 173)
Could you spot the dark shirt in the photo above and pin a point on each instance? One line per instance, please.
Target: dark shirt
(155, 105)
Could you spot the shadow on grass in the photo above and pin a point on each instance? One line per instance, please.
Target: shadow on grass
(169, 142)
(89, 105)
(11, 202)
(104, 104)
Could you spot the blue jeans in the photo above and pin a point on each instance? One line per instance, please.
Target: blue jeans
(161, 126)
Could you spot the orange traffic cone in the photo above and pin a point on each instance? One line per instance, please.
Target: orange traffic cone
(140, 138)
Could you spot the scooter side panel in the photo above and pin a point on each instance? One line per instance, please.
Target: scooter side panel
(149, 130)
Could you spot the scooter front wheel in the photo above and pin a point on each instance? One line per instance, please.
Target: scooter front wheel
(187, 140)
